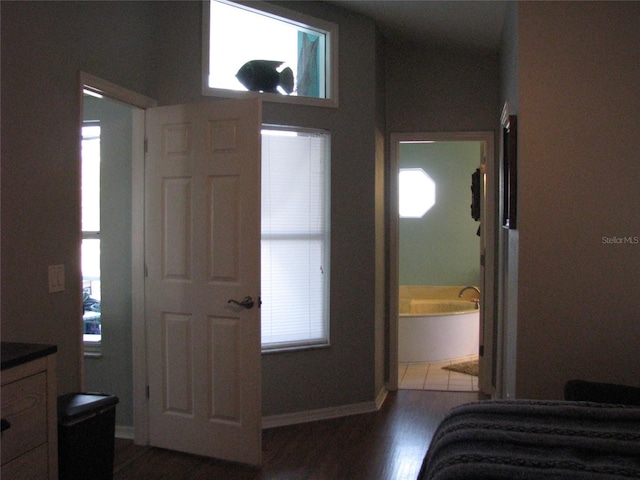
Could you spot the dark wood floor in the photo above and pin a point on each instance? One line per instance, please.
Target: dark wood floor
(386, 445)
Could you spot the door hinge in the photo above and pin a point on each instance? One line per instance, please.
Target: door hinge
(146, 145)
(147, 392)
(482, 260)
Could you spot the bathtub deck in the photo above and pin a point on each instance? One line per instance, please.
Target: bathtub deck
(431, 376)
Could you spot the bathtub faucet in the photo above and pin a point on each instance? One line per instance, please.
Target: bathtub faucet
(471, 287)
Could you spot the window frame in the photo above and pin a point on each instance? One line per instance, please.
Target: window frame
(290, 16)
(276, 347)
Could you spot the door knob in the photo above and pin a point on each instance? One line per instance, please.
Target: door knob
(247, 302)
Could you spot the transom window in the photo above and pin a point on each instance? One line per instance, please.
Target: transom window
(282, 54)
(295, 239)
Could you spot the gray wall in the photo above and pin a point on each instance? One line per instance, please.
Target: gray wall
(154, 48)
(579, 171)
(440, 90)
(44, 46)
(346, 372)
(508, 239)
(442, 247)
(578, 93)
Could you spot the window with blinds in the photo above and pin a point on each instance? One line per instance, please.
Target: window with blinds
(295, 238)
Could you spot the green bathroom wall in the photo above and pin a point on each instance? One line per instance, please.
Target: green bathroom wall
(442, 247)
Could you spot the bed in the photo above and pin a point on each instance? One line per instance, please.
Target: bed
(535, 440)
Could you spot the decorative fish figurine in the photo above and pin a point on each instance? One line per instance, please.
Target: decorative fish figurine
(264, 76)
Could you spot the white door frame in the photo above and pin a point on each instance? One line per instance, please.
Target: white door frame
(488, 249)
(115, 92)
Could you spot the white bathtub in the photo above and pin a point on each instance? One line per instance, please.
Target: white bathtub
(435, 329)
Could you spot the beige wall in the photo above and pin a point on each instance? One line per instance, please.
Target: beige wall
(579, 172)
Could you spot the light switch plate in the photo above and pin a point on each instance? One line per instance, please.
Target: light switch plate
(56, 278)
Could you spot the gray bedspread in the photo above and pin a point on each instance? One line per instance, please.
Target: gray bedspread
(514, 440)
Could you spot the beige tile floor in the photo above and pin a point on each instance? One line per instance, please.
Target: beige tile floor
(431, 376)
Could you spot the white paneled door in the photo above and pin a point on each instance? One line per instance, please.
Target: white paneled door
(202, 250)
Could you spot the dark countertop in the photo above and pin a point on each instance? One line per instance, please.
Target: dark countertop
(14, 354)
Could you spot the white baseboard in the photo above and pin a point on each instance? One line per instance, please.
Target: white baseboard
(382, 396)
(124, 432)
(294, 418)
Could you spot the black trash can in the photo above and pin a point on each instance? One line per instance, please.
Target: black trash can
(86, 432)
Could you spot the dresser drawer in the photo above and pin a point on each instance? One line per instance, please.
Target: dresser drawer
(24, 406)
(33, 465)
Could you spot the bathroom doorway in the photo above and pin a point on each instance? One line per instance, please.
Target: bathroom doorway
(438, 251)
(106, 248)
(112, 149)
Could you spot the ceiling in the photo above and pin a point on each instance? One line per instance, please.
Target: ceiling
(463, 24)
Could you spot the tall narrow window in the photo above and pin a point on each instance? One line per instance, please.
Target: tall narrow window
(90, 253)
(271, 50)
(295, 239)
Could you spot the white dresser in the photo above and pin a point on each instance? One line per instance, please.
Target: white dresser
(29, 412)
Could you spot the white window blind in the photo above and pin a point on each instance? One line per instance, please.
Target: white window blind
(295, 239)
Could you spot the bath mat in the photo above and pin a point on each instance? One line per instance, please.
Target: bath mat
(470, 367)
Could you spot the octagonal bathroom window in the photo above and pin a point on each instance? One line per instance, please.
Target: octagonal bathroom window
(417, 192)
